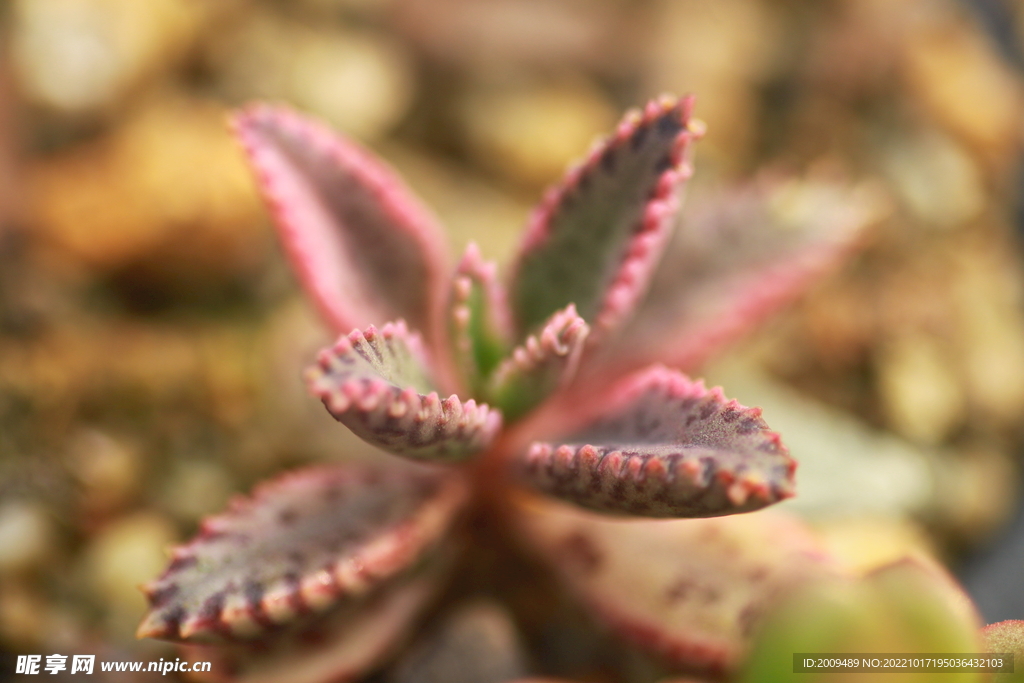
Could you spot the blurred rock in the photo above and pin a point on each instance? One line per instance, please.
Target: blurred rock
(987, 300)
(359, 7)
(937, 181)
(149, 364)
(955, 71)
(10, 155)
(109, 470)
(79, 56)
(359, 82)
(720, 51)
(169, 186)
(27, 536)
(919, 390)
(838, 324)
(195, 489)
(294, 419)
(530, 134)
(496, 37)
(23, 616)
(229, 364)
(129, 552)
(979, 492)
(852, 51)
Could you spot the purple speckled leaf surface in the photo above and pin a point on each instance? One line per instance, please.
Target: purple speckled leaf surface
(338, 646)
(658, 444)
(689, 590)
(365, 248)
(596, 237)
(299, 546)
(375, 382)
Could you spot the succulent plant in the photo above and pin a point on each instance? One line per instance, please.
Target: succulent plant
(1007, 637)
(504, 394)
(909, 606)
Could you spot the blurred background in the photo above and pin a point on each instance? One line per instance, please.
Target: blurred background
(151, 335)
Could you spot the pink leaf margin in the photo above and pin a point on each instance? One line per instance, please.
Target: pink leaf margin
(305, 247)
(397, 418)
(648, 242)
(375, 562)
(547, 466)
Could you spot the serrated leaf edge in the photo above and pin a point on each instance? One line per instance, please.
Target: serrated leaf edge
(349, 577)
(408, 213)
(546, 462)
(562, 338)
(646, 244)
(474, 423)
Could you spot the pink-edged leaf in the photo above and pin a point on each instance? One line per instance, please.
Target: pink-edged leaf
(375, 383)
(298, 546)
(363, 245)
(737, 257)
(541, 364)
(597, 236)
(340, 645)
(1006, 637)
(660, 445)
(480, 325)
(690, 590)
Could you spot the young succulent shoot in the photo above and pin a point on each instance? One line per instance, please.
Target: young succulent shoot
(909, 606)
(1006, 637)
(549, 376)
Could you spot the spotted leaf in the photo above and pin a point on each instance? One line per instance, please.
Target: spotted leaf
(480, 325)
(658, 444)
(364, 247)
(736, 257)
(339, 645)
(540, 365)
(596, 238)
(299, 546)
(690, 590)
(375, 383)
